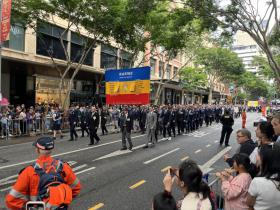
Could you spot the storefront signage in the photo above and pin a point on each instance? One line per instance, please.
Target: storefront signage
(5, 19)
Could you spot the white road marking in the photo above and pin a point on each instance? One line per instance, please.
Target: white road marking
(197, 151)
(215, 158)
(9, 177)
(165, 154)
(66, 153)
(184, 158)
(79, 167)
(71, 163)
(83, 171)
(208, 145)
(5, 189)
(123, 152)
(8, 182)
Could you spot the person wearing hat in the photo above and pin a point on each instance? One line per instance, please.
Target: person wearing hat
(26, 187)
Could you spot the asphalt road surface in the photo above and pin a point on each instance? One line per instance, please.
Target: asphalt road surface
(123, 180)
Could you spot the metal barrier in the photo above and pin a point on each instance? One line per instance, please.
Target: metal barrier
(215, 187)
(39, 126)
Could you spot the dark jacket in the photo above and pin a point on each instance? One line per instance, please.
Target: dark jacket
(247, 148)
(104, 116)
(126, 123)
(227, 120)
(93, 120)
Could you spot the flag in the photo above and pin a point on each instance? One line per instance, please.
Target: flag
(128, 86)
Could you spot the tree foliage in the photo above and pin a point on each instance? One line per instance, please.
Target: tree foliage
(193, 78)
(254, 86)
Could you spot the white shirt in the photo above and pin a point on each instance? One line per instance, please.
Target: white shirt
(191, 201)
(266, 193)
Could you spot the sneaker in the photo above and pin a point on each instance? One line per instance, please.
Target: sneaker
(130, 148)
(145, 147)
(169, 139)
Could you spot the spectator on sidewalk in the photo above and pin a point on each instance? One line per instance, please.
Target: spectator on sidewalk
(164, 201)
(189, 179)
(264, 190)
(235, 189)
(247, 145)
(276, 125)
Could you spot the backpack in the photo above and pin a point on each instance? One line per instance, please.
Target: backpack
(51, 188)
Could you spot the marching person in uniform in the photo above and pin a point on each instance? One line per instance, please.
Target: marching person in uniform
(93, 123)
(27, 186)
(244, 118)
(104, 116)
(126, 124)
(83, 117)
(151, 124)
(227, 122)
(57, 123)
(73, 119)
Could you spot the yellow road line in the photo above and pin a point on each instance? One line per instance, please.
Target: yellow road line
(165, 169)
(98, 206)
(137, 184)
(184, 158)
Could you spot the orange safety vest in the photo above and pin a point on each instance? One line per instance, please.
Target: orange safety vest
(26, 187)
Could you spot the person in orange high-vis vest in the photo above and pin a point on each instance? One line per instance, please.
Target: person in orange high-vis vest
(26, 187)
(244, 118)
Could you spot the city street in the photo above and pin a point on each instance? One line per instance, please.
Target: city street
(124, 180)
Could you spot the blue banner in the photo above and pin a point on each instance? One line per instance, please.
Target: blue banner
(123, 75)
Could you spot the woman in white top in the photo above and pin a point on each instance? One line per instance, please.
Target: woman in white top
(264, 191)
(189, 178)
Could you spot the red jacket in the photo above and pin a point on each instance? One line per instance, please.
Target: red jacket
(26, 187)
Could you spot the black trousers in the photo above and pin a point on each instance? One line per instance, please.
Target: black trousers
(180, 125)
(84, 129)
(104, 129)
(168, 130)
(73, 131)
(225, 135)
(93, 135)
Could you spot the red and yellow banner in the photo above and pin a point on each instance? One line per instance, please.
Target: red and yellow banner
(5, 19)
(128, 86)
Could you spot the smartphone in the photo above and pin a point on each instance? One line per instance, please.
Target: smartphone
(173, 171)
(35, 205)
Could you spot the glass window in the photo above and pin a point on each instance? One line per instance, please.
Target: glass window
(48, 41)
(161, 66)
(168, 70)
(78, 48)
(175, 71)
(125, 59)
(16, 39)
(109, 57)
(153, 66)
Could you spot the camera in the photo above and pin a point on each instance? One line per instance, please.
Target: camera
(35, 205)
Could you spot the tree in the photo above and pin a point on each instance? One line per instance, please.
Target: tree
(245, 15)
(253, 86)
(220, 65)
(193, 78)
(93, 21)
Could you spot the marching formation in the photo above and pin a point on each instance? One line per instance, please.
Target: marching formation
(165, 120)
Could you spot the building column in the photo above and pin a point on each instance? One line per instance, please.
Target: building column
(183, 97)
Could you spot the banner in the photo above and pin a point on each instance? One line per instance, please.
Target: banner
(5, 19)
(128, 86)
(253, 103)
